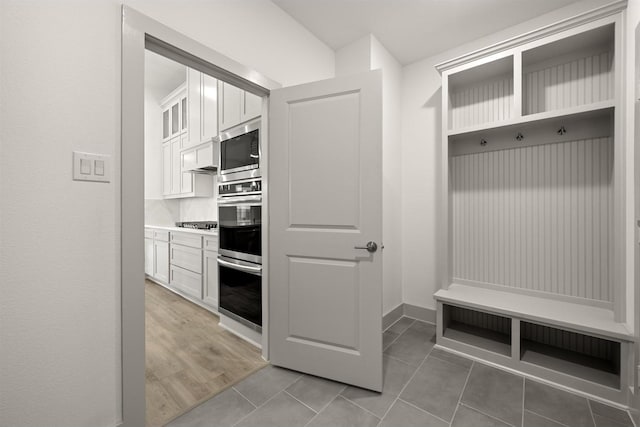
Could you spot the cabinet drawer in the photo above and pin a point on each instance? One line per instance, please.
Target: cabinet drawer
(148, 234)
(211, 243)
(186, 281)
(186, 257)
(191, 240)
(162, 235)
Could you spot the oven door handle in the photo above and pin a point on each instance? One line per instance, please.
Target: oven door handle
(239, 267)
(236, 200)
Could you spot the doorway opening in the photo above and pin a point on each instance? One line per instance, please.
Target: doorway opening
(192, 351)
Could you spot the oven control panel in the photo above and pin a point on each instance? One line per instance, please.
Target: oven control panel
(236, 188)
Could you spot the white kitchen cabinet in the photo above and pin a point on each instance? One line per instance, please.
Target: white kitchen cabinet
(236, 106)
(209, 108)
(251, 106)
(186, 263)
(166, 169)
(229, 105)
(156, 254)
(148, 255)
(186, 281)
(177, 182)
(202, 92)
(200, 157)
(210, 272)
(174, 113)
(161, 261)
(176, 171)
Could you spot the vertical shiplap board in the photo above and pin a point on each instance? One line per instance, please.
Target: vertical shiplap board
(536, 218)
(485, 102)
(578, 82)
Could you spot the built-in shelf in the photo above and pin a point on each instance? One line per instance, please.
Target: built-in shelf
(532, 196)
(589, 358)
(483, 330)
(570, 316)
(482, 94)
(569, 72)
(539, 119)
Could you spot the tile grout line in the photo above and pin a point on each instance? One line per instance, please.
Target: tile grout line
(403, 361)
(547, 418)
(265, 402)
(422, 410)
(593, 418)
(405, 386)
(488, 415)
(244, 397)
(356, 404)
(327, 404)
(462, 392)
(295, 398)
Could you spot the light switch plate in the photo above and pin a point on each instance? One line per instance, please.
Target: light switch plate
(83, 159)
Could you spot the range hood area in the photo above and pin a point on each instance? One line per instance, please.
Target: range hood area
(202, 158)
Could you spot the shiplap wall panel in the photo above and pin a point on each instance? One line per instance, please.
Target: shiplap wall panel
(536, 218)
(582, 81)
(479, 319)
(584, 344)
(485, 102)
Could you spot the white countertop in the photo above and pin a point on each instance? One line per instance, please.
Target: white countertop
(213, 232)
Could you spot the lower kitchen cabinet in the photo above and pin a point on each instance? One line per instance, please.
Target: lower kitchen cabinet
(210, 279)
(186, 263)
(186, 281)
(148, 252)
(161, 264)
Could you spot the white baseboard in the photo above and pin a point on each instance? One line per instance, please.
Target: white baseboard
(415, 312)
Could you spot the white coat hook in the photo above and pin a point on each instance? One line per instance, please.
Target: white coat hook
(562, 130)
(483, 142)
(519, 136)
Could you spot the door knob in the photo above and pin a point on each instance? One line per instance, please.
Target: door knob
(371, 247)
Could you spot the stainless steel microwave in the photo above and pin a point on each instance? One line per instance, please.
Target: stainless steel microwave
(240, 152)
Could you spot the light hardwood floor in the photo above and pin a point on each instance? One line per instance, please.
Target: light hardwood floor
(189, 358)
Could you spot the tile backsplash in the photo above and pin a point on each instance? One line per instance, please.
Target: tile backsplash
(161, 212)
(199, 209)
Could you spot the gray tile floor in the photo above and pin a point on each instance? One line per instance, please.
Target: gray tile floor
(423, 386)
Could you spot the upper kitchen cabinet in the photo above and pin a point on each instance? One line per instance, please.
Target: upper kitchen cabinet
(177, 181)
(174, 113)
(202, 92)
(236, 106)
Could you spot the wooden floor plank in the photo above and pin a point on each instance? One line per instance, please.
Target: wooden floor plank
(189, 357)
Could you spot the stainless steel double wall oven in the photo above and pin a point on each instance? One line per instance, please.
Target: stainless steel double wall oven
(240, 225)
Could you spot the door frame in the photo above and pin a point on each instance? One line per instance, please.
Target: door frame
(139, 32)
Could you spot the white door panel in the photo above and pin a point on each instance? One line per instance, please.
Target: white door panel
(325, 189)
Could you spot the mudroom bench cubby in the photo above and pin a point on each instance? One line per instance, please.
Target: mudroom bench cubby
(533, 205)
(576, 345)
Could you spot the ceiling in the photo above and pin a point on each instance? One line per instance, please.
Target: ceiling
(412, 29)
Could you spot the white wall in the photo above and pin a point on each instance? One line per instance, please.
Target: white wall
(59, 307)
(421, 133)
(391, 173)
(365, 54)
(255, 33)
(59, 260)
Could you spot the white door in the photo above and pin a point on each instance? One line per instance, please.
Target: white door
(325, 199)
